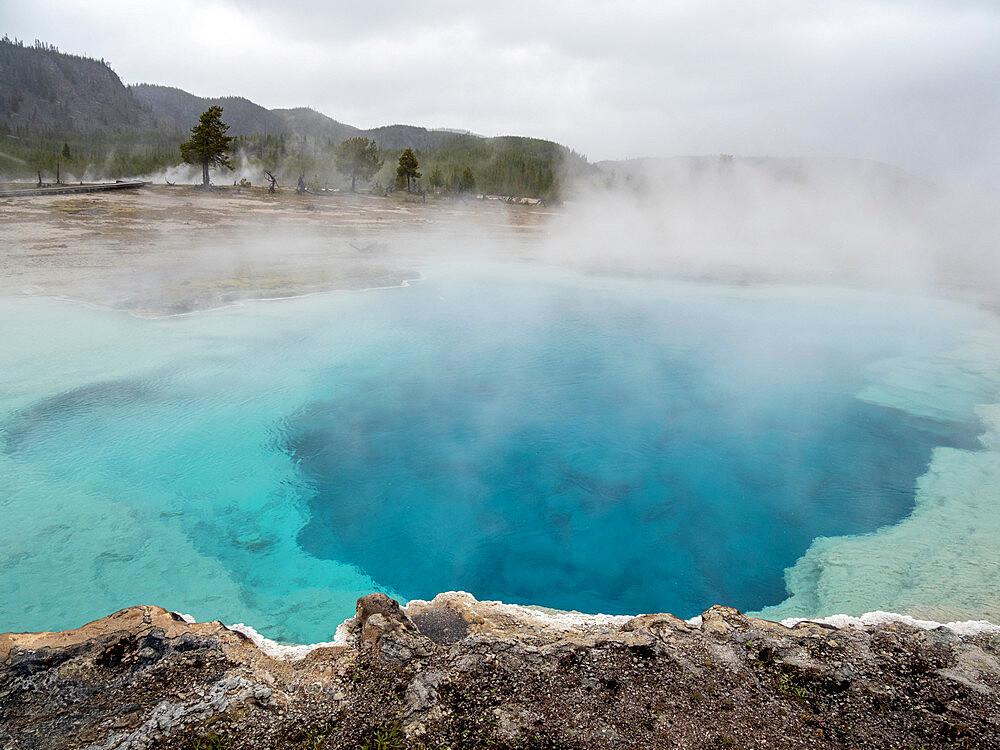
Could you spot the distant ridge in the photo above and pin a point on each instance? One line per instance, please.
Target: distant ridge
(312, 124)
(244, 117)
(179, 110)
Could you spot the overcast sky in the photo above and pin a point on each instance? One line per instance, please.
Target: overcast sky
(910, 82)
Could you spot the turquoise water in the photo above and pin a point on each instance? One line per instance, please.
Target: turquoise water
(612, 446)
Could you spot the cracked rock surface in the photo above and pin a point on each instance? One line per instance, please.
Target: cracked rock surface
(458, 673)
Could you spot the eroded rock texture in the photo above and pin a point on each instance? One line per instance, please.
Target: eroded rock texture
(459, 673)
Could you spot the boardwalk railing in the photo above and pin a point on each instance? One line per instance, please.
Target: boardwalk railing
(66, 189)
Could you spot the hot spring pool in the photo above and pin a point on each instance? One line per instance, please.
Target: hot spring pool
(535, 437)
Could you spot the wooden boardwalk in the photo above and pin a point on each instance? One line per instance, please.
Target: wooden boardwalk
(68, 189)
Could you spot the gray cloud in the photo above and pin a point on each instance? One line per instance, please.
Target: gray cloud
(912, 83)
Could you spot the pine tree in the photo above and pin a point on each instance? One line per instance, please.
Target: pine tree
(209, 145)
(358, 157)
(467, 182)
(407, 170)
(436, 179)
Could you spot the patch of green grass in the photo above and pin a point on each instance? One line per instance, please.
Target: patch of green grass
(786, 686)
(210, 741)
(385, 737)
(315, 740)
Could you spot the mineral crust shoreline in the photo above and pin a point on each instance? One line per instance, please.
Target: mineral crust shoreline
(458, 673)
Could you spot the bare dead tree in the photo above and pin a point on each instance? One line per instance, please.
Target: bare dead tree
(272, 179)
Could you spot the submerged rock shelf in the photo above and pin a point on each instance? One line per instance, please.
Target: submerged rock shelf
(456, 672)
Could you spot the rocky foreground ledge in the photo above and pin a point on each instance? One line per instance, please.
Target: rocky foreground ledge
(457, 673)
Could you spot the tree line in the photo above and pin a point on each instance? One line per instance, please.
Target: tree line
(521, 166)
(508, 166)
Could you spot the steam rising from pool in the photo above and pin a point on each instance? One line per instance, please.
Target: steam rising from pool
(536, 437)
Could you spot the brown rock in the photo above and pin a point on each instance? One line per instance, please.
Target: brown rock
(720, 620)
(516, 678)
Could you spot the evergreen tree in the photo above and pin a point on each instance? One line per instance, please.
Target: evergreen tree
(358, 157)
(66, 152)
(209, 145)
(436, 179)
(467, 182)
(406, 172)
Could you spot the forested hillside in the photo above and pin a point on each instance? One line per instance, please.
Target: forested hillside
(507, 165)
(44, 91)
(312, 124)
(246, 118)
(178, 110)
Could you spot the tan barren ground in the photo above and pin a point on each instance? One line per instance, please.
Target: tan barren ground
(165, 250)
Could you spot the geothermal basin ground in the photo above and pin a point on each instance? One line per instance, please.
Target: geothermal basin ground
(259, 408)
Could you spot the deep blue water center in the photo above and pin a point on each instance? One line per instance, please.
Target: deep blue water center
(532, 436)
(582, 449)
